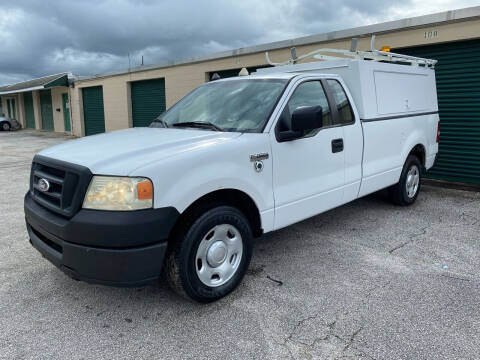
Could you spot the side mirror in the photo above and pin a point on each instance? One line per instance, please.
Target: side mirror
(303, 119)
(307, 118)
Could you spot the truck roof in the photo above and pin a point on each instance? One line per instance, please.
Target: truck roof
(276, 75)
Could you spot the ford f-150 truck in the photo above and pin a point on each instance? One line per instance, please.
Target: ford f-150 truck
(233, 159)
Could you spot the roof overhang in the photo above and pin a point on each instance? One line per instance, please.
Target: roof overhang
(46, 82)
(21, 90)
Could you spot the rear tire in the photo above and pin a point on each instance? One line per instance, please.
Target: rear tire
(405, 192)
(210, 255)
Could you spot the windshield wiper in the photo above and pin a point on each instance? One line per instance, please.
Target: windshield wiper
(161, 121)
(199, 124)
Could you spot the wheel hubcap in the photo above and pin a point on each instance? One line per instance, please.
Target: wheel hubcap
(413, 180)
(219, 255)
(5, 126)
(216, 254)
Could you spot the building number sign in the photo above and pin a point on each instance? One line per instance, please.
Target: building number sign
(431, 34)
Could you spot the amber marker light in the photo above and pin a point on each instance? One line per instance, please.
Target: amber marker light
(385, 49)
(145, 190)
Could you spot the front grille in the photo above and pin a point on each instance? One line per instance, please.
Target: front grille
(56, 178)
(67, 184)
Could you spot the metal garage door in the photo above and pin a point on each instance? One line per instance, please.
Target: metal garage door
(29, 114)
(458, 88)
(93, 112)
(46, 109)
(148, 101)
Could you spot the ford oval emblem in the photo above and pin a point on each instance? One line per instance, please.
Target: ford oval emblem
(43, 185)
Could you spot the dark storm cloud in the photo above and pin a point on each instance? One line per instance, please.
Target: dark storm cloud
(93, 36)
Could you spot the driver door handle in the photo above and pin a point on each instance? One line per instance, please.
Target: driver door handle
(337, 145)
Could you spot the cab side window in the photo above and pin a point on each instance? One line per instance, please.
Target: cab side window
(345, 112)
(309, 93)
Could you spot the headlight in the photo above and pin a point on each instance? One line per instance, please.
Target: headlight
(119, 193)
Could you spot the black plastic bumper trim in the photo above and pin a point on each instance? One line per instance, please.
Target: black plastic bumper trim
(116, 267)
(104, 229)
(104, 247)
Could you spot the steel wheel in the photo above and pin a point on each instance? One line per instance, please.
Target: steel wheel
(5, 126)
(209, 255)
(219, 255)
(413, 179)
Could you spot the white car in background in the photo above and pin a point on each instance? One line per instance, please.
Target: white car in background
(7, 124)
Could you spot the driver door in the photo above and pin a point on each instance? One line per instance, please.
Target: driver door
(308, 172)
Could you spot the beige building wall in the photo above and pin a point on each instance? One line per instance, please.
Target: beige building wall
(76, 111)
(36, 109)
(21, 111)
(57, 106)
(181, 79)
(18, 113)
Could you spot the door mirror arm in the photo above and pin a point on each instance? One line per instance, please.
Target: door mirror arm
(288, 135)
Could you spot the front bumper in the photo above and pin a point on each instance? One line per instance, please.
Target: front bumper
(106, 247)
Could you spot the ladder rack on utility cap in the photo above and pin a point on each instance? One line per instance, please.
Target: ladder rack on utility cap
(374, 54)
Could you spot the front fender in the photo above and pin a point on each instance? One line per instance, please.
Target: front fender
(181, 180)
(199, 182)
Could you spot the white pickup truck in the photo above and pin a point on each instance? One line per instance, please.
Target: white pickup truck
(233, 159)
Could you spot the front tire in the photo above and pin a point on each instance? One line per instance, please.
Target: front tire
(5, 126)
(210, 255)
(405, 192)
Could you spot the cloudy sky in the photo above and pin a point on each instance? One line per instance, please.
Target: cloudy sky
(87, 37)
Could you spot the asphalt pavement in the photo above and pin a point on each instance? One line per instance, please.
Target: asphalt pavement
(368, 280)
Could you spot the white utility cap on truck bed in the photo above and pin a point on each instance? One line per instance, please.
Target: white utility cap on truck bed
(379, 89)
(383, 84)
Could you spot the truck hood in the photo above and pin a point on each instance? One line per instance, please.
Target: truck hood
(121, 152)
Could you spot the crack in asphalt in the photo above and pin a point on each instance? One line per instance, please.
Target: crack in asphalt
(347, 343)
(470, 216)
(411, 238)
(351, 340)
(454, 277)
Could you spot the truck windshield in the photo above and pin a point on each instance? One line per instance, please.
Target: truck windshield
(237, 105)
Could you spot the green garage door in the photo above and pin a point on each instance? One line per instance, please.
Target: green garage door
(29, 114)
(458, 88)
(93, 112)
(46, 109)
(148, 101)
